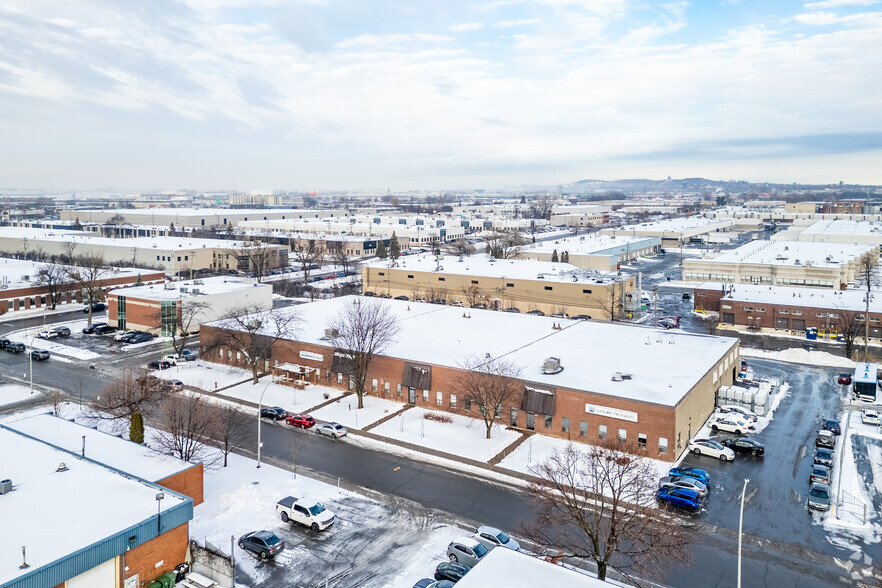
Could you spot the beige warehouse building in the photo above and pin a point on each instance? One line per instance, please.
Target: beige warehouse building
(597, 252)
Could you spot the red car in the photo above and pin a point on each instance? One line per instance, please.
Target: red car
(845, 379)
(304, 421)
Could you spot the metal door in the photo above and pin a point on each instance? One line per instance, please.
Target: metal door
(411, 395)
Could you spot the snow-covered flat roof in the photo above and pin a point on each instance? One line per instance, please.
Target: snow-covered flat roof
(675, 225)
(821, 297)
(56, 513)
(14, 270)
(591, 352)
(198, 212)
(845, 228)
(591, 244)
(783, 253)
(163, 243)
(504, 567)
(516, 269)
(113, 451)
(184, 288)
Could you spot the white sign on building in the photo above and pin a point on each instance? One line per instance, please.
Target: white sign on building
(624, 415)
(311, 356)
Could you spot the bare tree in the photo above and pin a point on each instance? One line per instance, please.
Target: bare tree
(114, 224)
(133, 391)
(505, 244)
(259, 256)
(187, 426)
(87, 273)
(541, 207)
(184, 322)
(849, 325)
(69, 249)
(867, 275)
(489, 385)
(363, 330)
(611, 303)
(597, 503)
(462, 247)
(230, 424)
(253, 333)
(473, 295)
(55, 280)
(307, 253)
(342, 258)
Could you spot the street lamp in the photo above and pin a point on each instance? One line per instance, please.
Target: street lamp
(259, 419)
(159, 497)
(740, 521)
(31, 360)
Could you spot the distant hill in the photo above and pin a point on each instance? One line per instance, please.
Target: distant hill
(645, 185)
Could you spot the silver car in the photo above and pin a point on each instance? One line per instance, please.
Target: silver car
(684, 482)
(492, 537)
(333, 430)
(467, 551)
(819, 497)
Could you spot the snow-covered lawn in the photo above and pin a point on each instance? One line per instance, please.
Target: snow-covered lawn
(205, 375)
(464, 437)
(54, 346)
(150, 343)
(799, 355)
(12, 393)
(344, 411)
(288, 397)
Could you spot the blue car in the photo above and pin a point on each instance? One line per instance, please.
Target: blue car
(696, 473)
(679, 497)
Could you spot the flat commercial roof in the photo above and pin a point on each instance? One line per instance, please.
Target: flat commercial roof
(784, 253)
(591, 244)
(852, 300)
(197, 212)
(591, 352)
(516, 269)
(674, 225)
(504, 567)
(55, 514)
(163, 243)
(214, 285)
(112, 451)
(14, 270)
(845, 228)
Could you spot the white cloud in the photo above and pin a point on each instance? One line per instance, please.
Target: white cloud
(839, 3)
(371, 40)
(507, 24)
(467, 27)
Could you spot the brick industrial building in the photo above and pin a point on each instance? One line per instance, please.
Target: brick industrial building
(90, 510)
(649, 388)
(20, 288)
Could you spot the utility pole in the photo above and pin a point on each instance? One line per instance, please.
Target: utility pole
(655, 305)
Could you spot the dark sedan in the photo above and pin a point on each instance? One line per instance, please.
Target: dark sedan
(4, 343)
(39, 354)
(15, 347)
(451, 570)
(832, 426)
(91, 328)
(159, 364)
(263, 543)
(745, 445)
(273, 412)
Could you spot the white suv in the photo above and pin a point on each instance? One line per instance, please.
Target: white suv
(711, 448)
(731, 424)
(47, 334)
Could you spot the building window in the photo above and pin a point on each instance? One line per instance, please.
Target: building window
(453, 401)
(399, 390)
(623, 436)
(386, 388)
(179, 258)
(679, 442)
(783, 312)
(374, 385)
(565, 424)
(662, 444)
(583, 429)
(760, 309)
(186, 258)
(497, 411)
(408, 275)
(467, 404)
(509, 285)
(513, 417)
(425, 395)
(220, 353)
(548, 421)
(441, 279)
(746, 308)
(797, 313)
(641, 441)
(474, 281)
(168, 317)
(727, 306)
(339, 378)
(549, 287)
(382, 273)
(586, 291)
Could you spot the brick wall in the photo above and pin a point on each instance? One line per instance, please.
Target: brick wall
(189, 483)
(170, 548)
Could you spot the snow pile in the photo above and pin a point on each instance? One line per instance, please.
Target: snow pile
(464, 437)
(344, 411)
(799, 355)
(12, 393)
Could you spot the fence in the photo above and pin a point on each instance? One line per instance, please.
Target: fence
(212, 562)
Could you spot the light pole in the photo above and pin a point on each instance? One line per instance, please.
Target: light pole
(740, 521)
(259, 419)
(31, 360)
(159, 497)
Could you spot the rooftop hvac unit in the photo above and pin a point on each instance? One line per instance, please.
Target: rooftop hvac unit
(184, 290)
(197, 281)
(169, 286)
(331, 333)
(551, 365)
(195, 290)
(5, 486)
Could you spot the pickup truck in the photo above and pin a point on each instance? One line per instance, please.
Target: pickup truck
(308, 513)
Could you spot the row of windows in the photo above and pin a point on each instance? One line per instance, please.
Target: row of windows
(507, 285)
(186, 258)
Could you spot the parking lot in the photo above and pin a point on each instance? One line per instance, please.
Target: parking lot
(776, 500)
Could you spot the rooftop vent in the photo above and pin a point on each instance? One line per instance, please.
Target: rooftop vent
(195, 290)
(619, 376)
(5, 486)
(62, 467)
(169, 286)
(197, 281)
(551, 365)
(184, 290)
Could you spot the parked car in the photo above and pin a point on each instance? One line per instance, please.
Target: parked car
(104, 330)
(159, 364)
(711, 448)
(870, 417)
(731, 424)
(332, 430)
(819, 497)
(451, 570)
(62, 331)
(562, 315)
(430, 583)
(684, 482)
(97, 307)
(402, 298)
(276, 413)
(511, 309)
(679, 497)
(832, 426)
(746, 415)
(123, 334)
(536, 312)
(844, 378)
(824, 456)
(581, 317)
(820, 474)
(88, 330)
(305, 511)
(263, 543)
(304, 421)
(699, 474)
(175, 385)
(668, 323)
(39, 354)
(825, 439)
(138, 338)
(4, 343)
(745, 445)
(47, 334)
(467, 551)
(15, 347)
(492, 537)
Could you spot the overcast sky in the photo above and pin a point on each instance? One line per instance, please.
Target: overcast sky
(316, 95)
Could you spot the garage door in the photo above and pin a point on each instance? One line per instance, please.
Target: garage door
(798, 324)
(728, 318)
(101, 576)
(782, 323)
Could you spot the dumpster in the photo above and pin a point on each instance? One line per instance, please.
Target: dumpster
(171, 577)
(154, 584)
(811, 333)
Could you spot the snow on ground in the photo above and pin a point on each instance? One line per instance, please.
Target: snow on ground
(288, 397)
(464, 437)
(344, 411)
(799, 355)
(205, 375)
(153, 341)
(12, 393)
(54, 346)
